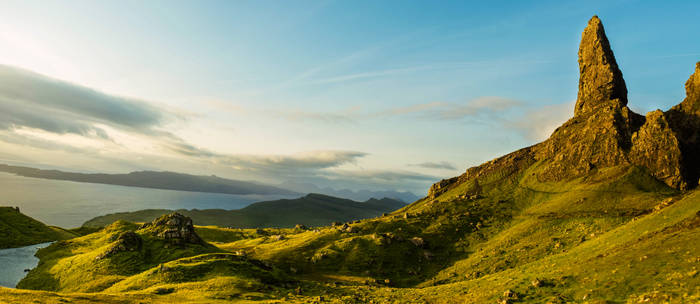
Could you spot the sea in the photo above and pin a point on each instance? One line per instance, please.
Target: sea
(69, 204)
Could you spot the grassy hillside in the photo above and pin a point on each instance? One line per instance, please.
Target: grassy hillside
(615, 236)
(310, 210)
(18, 230)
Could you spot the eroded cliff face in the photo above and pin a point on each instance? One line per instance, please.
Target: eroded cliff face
(656, 147)
(604, 132)
(684, 120)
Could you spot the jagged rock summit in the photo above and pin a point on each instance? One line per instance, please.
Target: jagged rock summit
(604, 132)
(601, 80)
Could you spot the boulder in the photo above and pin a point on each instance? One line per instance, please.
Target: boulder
(418, 242)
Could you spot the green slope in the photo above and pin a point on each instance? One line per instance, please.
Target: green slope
(310, 210)
(18, 230)
(614, 236)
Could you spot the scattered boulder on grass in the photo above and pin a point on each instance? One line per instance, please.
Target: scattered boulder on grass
(508, 297)
(665, 203)
(418, 242)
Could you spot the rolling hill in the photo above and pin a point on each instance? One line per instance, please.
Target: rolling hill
(309, 210)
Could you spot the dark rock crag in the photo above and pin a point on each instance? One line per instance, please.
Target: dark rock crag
(174, 228)
(604, 132)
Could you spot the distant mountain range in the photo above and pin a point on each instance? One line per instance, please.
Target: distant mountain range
(310, 210)
(357, 195)
(156, 180)
(202, 183)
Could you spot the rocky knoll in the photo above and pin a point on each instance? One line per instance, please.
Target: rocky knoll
(174, 228)
(604, 132)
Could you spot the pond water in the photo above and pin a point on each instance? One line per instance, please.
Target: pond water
(14, 261)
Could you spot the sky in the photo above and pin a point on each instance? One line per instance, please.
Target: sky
(379, 95)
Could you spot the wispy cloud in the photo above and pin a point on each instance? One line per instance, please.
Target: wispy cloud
(342, 117)
(435, 165)
(486, 105)
(538, 124)
(437, 110)
(380, 176)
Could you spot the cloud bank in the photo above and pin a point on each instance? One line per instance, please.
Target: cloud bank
(59, 118)
(35, 101)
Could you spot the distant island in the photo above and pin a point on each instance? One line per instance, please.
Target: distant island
(310, 210)
(155, 180)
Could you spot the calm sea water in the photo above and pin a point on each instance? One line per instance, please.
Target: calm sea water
(14, 261)
(69, 204)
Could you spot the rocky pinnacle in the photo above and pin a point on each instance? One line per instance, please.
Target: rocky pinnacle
(601, 81)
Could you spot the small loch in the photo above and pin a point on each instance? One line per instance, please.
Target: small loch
(14, 261)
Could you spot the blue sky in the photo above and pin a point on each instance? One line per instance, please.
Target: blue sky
(349, 94)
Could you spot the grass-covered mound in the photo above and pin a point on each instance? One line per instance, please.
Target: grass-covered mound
(235, 276)
(18, 230)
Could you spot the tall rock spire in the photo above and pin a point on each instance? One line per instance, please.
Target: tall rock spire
(601, 81)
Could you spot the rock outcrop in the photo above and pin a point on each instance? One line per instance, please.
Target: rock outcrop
(174, 228)
(604, 132)
(599, 135)
(684, 119)
(124, 242)
(601, 83)
(656, 147)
